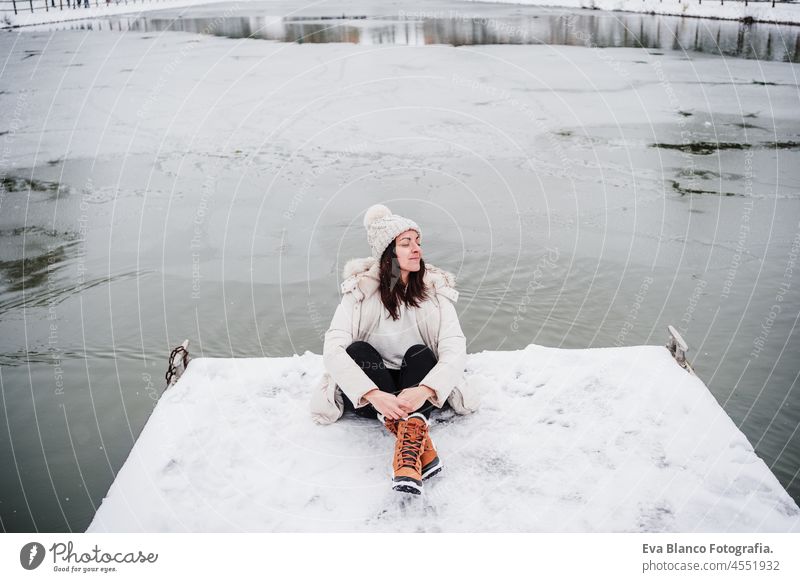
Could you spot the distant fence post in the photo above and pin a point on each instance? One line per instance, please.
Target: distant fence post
(31, 1)
(15, 6)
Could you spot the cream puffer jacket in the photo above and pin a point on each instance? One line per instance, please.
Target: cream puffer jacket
(356, 318)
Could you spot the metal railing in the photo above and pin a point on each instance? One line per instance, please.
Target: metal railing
(19, 6)
(746, 2)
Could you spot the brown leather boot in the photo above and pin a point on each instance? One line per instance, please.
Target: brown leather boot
(407, 462)
(431, 464)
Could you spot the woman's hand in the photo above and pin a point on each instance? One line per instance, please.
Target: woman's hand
(387, 404)
(413, 398)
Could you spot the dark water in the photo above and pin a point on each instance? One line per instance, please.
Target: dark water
(478, 24)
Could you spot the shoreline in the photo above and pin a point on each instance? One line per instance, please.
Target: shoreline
(782, 13)
(762, 12)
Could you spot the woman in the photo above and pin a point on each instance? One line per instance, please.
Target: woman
(395, 350)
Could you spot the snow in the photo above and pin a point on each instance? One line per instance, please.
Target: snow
(609, 439)
(731, 10)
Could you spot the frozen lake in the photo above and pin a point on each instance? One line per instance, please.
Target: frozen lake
(183, 181)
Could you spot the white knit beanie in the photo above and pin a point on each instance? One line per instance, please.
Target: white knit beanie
(383, 227)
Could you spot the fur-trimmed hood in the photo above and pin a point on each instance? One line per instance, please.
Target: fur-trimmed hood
(363, 273)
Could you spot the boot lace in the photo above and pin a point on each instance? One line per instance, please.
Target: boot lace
(412, 442)
(391, 425)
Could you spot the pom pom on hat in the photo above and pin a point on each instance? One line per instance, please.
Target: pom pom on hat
(383, 227)
(375, 212)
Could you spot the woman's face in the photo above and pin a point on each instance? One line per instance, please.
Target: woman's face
(408, 250)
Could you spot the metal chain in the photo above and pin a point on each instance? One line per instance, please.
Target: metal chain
(172, 369)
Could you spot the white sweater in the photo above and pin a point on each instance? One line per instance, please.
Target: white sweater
(392, 338)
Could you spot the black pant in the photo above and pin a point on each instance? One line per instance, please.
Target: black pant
(417, 362)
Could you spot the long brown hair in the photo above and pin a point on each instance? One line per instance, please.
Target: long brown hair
(392, 289)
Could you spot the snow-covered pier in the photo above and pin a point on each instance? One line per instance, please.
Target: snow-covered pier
(609, 439)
